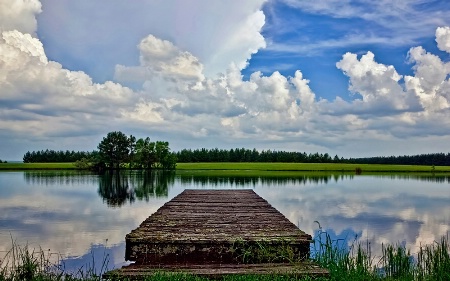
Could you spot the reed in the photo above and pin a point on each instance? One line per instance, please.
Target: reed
(355, 262)
(433, 261)
(22, 263)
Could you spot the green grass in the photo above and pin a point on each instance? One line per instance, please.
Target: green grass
(354, 263)
(37, 166)
(432, 262)
(318, 167)
(258, 169)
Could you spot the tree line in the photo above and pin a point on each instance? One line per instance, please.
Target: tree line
(52, 156)
(432, 159)
(115, 151)
(247, 155)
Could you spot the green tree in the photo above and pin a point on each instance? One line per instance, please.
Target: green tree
(132, 147)
(162, 152)
(145, 153)
(114, 149)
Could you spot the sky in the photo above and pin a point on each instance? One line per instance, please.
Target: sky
(354, 78)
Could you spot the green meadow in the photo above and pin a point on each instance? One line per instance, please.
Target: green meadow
(259, 169)
(37, 166)
(311, 167)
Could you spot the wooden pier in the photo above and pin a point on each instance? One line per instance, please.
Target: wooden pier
(214, 233)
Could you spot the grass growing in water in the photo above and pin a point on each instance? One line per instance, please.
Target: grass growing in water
(355, 263)
(25, 264)
(432, 262)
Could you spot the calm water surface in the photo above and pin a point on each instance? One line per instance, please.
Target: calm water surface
(77, 217)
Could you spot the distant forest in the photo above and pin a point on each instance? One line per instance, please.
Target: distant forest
(247, 155)
(433, 159)
(52, 156)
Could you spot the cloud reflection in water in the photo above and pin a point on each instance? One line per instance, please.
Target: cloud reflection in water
(81, 216)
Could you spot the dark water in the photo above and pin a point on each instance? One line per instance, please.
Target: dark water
(77, 217)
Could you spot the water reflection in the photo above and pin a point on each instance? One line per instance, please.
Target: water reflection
(59, 177)
(74, 213)
(252, 181)
(116, 189)
(408, 209)
(302, 179)
(422, 177)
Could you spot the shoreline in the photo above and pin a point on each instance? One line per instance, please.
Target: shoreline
(245, 168)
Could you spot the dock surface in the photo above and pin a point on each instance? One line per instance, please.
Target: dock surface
(218, 232)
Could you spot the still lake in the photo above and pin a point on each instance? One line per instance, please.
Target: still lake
(77, 217)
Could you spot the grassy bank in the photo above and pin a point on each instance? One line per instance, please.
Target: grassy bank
(313, 167)
(258, 169)
(37, 166)
(432, 262)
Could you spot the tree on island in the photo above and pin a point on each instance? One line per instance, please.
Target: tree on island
(154, 155)
(116, 149)
(145, 153)
(164, 159)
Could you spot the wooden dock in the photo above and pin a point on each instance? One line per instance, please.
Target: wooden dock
(215, 233)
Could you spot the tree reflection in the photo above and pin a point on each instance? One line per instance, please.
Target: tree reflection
(246, 181)
(118, 188)
(61, 177)
(152, 184)
(301, 179)
(115, 189)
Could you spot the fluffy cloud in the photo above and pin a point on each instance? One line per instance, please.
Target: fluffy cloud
(218, 33)
(391, 104)
(39, 97)
(172, 80)
(19, 15)
(161, 58)
(275, 107)
(430, 82)
(378, 86)
(176, 97)
(443, 38)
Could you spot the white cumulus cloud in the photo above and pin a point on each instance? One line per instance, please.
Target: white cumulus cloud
(19, 15)
(430, 82)
(218, 33)
(377, 84)
(443, 38)
(47, 99)
(161, 57)
(191, 86)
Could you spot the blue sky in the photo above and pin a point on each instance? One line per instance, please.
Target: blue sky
(349, 77)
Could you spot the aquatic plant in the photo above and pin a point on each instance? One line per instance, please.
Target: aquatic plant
(431, 263)
(21, 263)
(356, 262)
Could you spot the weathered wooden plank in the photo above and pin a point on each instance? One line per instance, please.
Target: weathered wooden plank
(212, 233)
(218, 271)
(210, 225)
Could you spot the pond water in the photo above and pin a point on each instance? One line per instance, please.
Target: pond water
(77, 217)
